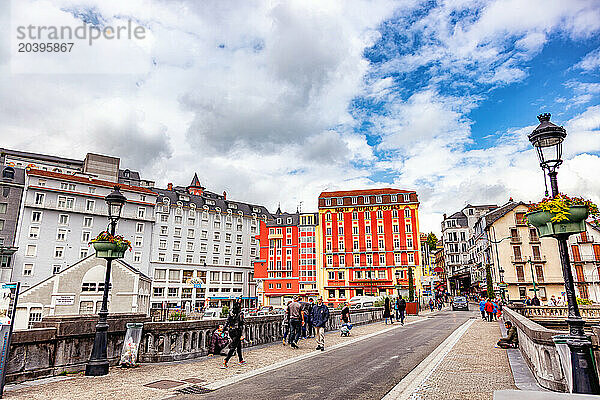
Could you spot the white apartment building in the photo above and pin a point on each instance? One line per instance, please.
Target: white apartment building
(59, 215)
(584, 252)
(203, 248)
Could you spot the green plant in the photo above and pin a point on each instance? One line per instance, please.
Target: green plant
(489, 283)
(559, 205)
(105, 236)
(411, 285)
(177, 316)
(224, 312)
(379, 303)
(584, 302)
(431, 241)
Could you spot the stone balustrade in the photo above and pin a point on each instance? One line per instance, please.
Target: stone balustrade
(544, 312)
(64, 344)
(539, 350)
(181, 340)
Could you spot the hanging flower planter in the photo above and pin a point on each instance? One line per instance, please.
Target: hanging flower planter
(109, 246)
(560, 215)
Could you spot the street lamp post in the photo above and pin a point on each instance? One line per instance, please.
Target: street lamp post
(547, 139)
(98, 363)
(532, 277)
(500, 269)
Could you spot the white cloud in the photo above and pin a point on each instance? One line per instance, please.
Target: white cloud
(590, 62)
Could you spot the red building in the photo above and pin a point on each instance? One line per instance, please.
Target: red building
(369, 238)
(288, 258)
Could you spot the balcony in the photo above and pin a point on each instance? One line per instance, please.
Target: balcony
(534, 239)
(584, 238)
(585, 258)
(516, 239)
(540, 258)
(517, 260)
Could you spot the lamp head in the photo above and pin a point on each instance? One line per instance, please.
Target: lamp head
(547, 139)
(115, 201)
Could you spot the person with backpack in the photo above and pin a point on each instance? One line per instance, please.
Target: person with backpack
(235, 327)
(319, 317)
(482, 308)
(401, 309)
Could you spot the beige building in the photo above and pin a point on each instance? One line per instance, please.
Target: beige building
(584, 252)
(77, 290)
(503, 239)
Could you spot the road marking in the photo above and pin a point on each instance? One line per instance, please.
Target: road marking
(237, 378)
(411, 382)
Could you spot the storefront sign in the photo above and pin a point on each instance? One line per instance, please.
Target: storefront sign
(9, 294)
(195, 282)
(65, 300)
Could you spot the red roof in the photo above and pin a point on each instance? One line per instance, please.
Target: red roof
(364, 192)
(93, 181)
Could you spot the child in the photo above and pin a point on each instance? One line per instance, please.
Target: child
(218, 341)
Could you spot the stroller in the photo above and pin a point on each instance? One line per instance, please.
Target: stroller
(345, 329)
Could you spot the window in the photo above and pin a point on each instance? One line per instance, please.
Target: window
(381, 259)
(85, 236)
(176, 245)
(175, 258)
(87, 222)
(141, 212)
(160, 274)
(356, 259)
(39, 199)
(35, 315)
(378, 199)
(161, 257)
(357, 274)
(164, 218)
(137, 257)
(27, 269)
(55, 269)
(66, 202)
(331, 294)
(59, 252)
(406, 197)
(36, 216)
(409, 243)
(90, 205)
(394, 198)
(63, 219)
(83, 253)
(31, 250)
(139, 227)
(173, 292)
(61, 234)
(379, 214)
(342, 260)
(408, 228)
(34, 231)
(407, 213)
(397, 259)
(411, 258)
(174, 275)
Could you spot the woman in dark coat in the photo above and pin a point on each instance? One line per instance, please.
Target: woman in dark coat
(346, 313)
(235, 327)
(387, 311)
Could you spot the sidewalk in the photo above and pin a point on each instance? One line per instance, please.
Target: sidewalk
(473, 369)
(204, 371)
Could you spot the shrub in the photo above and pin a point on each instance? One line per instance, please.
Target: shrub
(224, 312)
(584, 302)
(177, 316)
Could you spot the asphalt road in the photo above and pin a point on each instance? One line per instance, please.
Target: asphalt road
(367, 369)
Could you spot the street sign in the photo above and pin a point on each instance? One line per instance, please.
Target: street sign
(9, 294)
(503, 285)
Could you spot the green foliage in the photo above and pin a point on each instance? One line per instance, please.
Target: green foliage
(559, 206)
(224, 312)
(584, 302)
(411, 285)
(177, 316)
(490, 285)
(379, 303)
(432, 241)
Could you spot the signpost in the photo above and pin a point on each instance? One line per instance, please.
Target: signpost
(9, 293)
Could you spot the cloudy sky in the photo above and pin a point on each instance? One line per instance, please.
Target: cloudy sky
(276, 101)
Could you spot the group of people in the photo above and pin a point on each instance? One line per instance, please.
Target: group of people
(231, 334)
(395, 309)
(305, 320)
(491, 309)
(552, 302)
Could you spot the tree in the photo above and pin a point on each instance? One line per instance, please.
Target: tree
(432, 241)
(411, 285)
(490, 284)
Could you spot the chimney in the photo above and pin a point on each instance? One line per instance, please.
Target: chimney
(444, 215)
(224, 195)
(170, 186)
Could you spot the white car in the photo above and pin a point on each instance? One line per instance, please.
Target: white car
(362, 302)
(212, 313)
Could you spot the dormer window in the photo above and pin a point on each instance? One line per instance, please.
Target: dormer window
(279, 220)
(393, 198)
(406, 197)
(378, 199)
(8, 173)
(366, 199)
(327, 202)
(289, 220)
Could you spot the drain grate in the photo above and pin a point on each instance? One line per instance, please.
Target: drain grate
(164, 384)
(194, 389)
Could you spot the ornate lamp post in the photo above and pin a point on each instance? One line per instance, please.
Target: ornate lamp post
(98, 363)
(547, 139)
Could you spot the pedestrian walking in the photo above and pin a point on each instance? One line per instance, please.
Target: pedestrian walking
(319, 317)
(527, 301)
(387, 311)
(535, 301)
(296, 322)
(482, 308)
(346, 313)
(489, 309)
(286, 323)
(401, 304)
(235, 328)
(431, 305)
(495, 312)
(308, 318)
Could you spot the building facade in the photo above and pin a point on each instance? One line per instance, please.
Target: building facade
(288, 258)
(369, 239)
(59, 215)
(203, 248)
(514, 253)
(12, 183)
(78, 290)
(584, 253)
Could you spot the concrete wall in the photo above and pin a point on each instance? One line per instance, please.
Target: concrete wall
(539, 351)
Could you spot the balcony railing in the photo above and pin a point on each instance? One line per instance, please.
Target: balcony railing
(517, 259)
(585, 239)
(534, 239)
(516, 239)
(540, 258)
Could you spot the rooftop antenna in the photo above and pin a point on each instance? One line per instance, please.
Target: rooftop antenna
(300, 206)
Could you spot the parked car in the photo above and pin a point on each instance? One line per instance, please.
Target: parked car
(358, 302)
(212, 313)
(460, 303)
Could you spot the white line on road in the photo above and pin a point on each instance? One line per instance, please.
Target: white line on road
(280, 364)
(411, 382)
